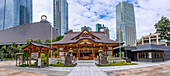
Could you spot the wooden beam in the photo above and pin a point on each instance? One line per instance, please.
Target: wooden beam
(112, 51)
(30, 58)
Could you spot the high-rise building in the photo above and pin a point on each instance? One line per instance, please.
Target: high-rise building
(125, 23)
(15, 12)
(88, 28)
(60, 10)
(151, 39)
(102, 28)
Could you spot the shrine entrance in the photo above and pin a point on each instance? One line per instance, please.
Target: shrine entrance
(86, 55)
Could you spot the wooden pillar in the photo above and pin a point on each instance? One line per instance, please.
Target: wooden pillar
(39, 58)
(39, 54)
(58, 52)
(16, 59)
(47, 57)
(30, 58)
(149, 39)
(77, 54)
(112, 51)
(93, 53)
(138, 55)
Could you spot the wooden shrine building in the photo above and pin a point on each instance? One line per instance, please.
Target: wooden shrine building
(85, 44)
(35, 47)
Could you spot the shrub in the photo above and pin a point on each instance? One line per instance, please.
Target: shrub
(60, 64)
(118, 64)
(25, 65)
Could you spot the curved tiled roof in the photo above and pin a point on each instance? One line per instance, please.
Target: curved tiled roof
(19, 34)
(68, 38)
(38, 45)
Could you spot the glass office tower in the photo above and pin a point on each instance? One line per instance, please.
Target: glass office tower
(60, 10)
(99, 26)
(15, 12)
(125, 23)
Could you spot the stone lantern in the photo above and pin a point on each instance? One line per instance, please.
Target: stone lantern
(68, 57)
(102, 57)
(71, 51)
(100, 51)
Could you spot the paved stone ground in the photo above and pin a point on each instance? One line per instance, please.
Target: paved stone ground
(86, 68)
(140, 65)
(56, 71)
(157, 70)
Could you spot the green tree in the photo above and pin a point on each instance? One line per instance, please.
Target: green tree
(28, 41)
(13, 45)
(18, 49)
(55, 53)
(4, 48)
(10, 51)
(58, 38)
(70, 31)
(47, 41)
(163, 27)
(37, 40)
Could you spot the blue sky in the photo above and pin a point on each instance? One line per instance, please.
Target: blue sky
(90, 12)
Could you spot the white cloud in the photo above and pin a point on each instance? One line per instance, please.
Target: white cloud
(87, 12)
(42, 8)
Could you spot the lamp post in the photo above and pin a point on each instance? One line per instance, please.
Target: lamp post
(51, 40)
(120, 41)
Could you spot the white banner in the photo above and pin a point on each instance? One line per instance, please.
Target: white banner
(39, 61)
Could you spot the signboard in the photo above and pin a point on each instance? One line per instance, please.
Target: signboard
(39, 61)
(109, 52)
(49, 60)
(34, 55)
(61, 53)
(110, 48)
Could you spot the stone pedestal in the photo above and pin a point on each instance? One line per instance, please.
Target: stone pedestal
(68, 60)
(103, 60)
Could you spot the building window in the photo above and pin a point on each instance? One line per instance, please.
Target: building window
(157, 55)
(143, 55)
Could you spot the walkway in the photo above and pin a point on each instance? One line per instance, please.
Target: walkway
(86, 68)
